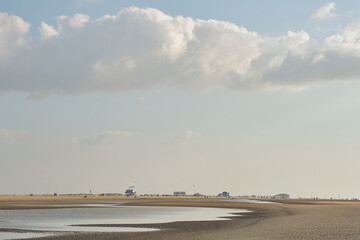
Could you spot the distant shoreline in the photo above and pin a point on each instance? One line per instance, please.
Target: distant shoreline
(294, 219)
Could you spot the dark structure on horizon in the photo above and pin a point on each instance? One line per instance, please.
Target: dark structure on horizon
(224, 194)
(130, 192)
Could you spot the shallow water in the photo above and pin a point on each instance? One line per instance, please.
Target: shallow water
(61, 219)
(250, 201)
(15, 235)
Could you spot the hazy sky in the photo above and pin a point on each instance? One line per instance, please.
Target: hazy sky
(250, 97)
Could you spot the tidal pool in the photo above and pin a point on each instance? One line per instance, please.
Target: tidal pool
(61, 219)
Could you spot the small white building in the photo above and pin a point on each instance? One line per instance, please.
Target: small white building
(179, 194)
(281, 196)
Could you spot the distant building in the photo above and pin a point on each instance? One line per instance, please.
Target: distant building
(224, 194)
(179, 194)
(281, 196)
(130, 192)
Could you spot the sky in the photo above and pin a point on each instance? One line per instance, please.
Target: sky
(250, 97)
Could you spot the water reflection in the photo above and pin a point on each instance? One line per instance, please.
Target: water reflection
(15, 235)
(60, 220)
(245, 200)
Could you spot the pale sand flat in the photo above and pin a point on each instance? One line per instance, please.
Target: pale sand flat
(294, 219)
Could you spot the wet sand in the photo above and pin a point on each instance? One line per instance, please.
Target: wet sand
(293, 219)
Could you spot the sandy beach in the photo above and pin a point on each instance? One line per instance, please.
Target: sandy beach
(292, 219)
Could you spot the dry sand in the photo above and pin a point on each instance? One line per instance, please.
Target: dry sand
(293, 219)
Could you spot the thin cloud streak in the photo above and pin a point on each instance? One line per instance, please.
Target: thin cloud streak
(97, 138)
(11, 134)
(187, 136)
(325, 12)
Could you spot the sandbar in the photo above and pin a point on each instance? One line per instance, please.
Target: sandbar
(290, 219)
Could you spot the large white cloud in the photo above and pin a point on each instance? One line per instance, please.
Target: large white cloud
(346, 42)
(144, 48)
(13, 37)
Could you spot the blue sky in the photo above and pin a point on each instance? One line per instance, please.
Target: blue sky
(260, 99)
(269, 18)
